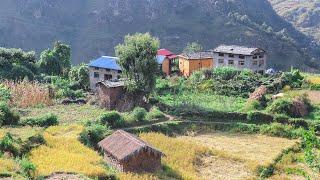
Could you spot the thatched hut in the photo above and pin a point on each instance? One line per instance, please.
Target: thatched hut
(128, 153)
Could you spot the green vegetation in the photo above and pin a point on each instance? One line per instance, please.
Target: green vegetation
(42, 121)
(193, 47)
(137, 61)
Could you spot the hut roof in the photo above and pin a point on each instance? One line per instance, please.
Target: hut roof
(122, 145)
(234, 49)
(197, 55)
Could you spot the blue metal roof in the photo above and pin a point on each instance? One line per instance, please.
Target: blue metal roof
(160, 59)
(106, 62)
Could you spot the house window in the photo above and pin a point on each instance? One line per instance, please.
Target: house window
(221, 54)
(108, 70)
(119, 71)
(255, 57)
(96, 75)
(241, 56)
(221, 61)
(261, 56)
(231, 55)
(107, 77)
(118, 77)
(96, 68)
(255, 63)
(241, 63)
(231, 62)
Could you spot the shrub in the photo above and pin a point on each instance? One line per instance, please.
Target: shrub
(8, 117)
(5, 94)
(27, 167)
(155, 113)
(310, 144)
(259, 117)
(252, 105)
(281, 106)
(92, 134)
(42, 121)
(281, 118)
(113, 119)
(139, 114)
(279, 130)
(9, 144)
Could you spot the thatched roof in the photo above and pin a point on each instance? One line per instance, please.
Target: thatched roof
(122, 145)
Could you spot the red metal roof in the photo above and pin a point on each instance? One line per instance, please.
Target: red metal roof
(167, 53)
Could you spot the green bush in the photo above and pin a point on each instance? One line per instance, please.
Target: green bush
(281, 118)
(155, 113)
(42, 121)
(259, 117)
(113, 119)
(9, 144)
(281, 106)
(93, 133)
(279, 130)
(139, 114)
(245, 128)
(5, 93)
(252, 105)
(27, 167)
(8, 117)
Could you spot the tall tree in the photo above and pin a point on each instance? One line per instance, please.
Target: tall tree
(137, 60)
(56, 61)
(192, 47)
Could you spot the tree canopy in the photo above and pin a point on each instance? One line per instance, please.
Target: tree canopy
(193, 47)
(17, 64)
(137, 60)
(56, 61)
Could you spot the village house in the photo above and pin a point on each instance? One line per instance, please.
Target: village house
(165, 59)
(109, 93)
(240, 57)
(191, 62)
(128, 153)
(102, 69)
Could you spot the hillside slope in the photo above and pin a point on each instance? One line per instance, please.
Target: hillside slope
(94, 27)
(303, 14)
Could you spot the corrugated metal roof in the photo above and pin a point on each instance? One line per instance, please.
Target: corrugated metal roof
(234, 49)
(122, 145)
(160, 59)
(107, 62)
(198, 55)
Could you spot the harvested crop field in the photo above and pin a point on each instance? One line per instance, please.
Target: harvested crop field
(238, 155)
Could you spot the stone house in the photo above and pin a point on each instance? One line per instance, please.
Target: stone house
(128, 153)
(110, 93)
(240, 57)
(102, 69)
(166, 59)
(191, 62)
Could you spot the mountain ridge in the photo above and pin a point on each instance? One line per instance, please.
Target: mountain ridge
(94, 27)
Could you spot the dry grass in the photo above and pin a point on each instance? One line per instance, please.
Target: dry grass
(132, 176)
(181, 155)
(28, 94)
(251, 150)
(314, 96)
(8, 166)
(64, 153)
(66, 113)
(314, 79)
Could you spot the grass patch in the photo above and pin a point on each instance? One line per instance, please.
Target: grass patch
(206, 101)
(66, 113)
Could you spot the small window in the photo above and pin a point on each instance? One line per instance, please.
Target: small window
(221, 61)
(241, 63)
(119, 71)
(255, 63)
(231, 55)
(118, 77)
(261, 56)
(96, 75)
(221, 54)
(231, 62)
(108, 70)
(255, 57)
(107, 77)
(96, 68)
(241, 56)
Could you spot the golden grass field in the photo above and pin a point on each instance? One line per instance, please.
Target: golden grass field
(237, 156)
(66, 113)
(64, 153)
(8, 166)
